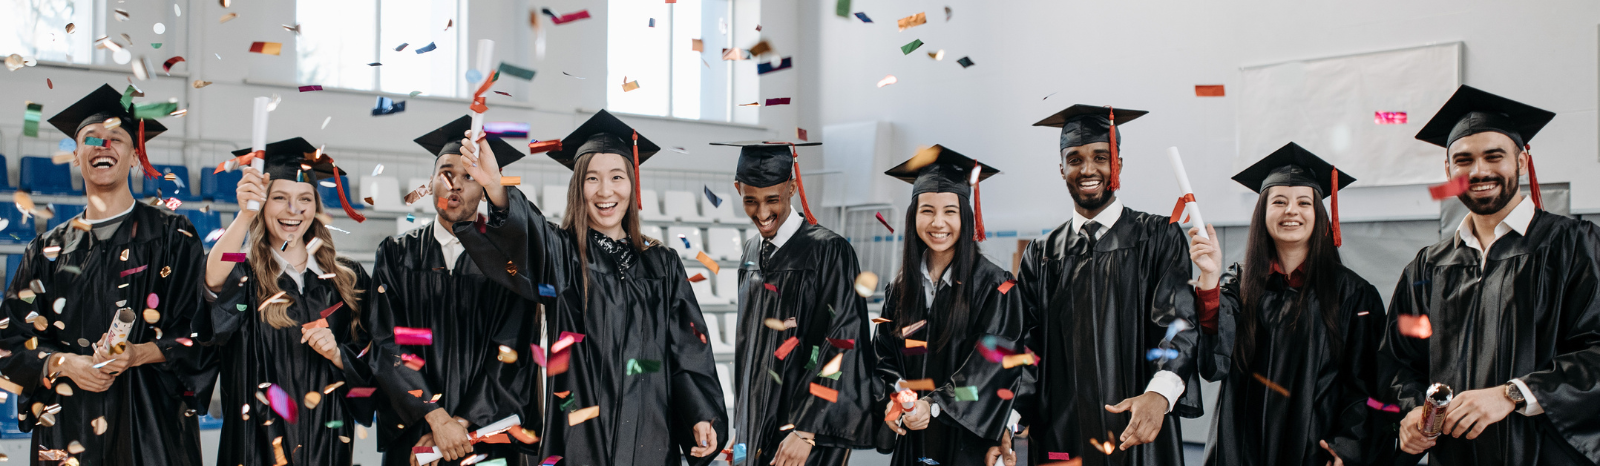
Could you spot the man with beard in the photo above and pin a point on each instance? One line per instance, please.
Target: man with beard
(473, 377)
(1506, 312)
(1099, 292)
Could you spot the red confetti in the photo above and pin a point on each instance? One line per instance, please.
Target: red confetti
(570, 17)
(558, 363)
(310, 88)
(842, 343)
(770, 287)
(282, 404)
(538, 355)
(234, 257)
(788, 345)
(134, 270)
(825, 393)
(698, 334)
(778, 101)
(1004, 287)
(884, 222)
(1415, 326)
(1381, 406)
(503, 93)
(413, 361)
(536, 147)
(1449, 189)
(413, 336)
(1056, 455)
(1211, 90)
(170, 62)
(1005, 394)
(697, 278)
(329, 311)
(49, 84)
(801, 133)
(1389, 118)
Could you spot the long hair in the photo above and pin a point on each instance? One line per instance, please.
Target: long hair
(909, 305)
(1322, 266)
(266, 268)
(576, 219)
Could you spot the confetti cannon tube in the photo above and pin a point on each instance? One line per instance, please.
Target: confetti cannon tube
(1439, 396)
(1188, 191)
(116, 339)
(258, 142)
(485, 68)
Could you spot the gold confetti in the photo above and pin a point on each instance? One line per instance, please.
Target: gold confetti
(511, 268)
(63, 389)
(628, 86)
(313, 399)
(1273, 386)
(151, 316)
(761, 48)
(62, 158)
(227, 17)
(275, 299)
(79, 224)
(199, 84)
(225, 3)
(124, 254)
(380, 288)
(913, 21)
(344, 439)
(31, 344)
(1014, 360)
(579, 416)
(277, 451)
(697, 45)
(866, 283)
(332, 386)
(99, 424)
(510, 180)
(112, 122)
(71, 27)
(167, 270)
(361, 432)
(74, 447)
(832, 367)
(507, 355)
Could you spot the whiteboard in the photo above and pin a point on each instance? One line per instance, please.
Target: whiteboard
(1329, 106)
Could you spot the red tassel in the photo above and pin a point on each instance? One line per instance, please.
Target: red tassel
(637, 198)
(1116, 163)
(802, 182)
(1533, 178)
(977, 204)
(149, 171)
(1338, 238)
(338, 181)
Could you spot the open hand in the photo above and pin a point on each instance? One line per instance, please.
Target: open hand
(1207, 256)
(1472, 411)
(794, 450)
(1149, 411)
(322, 341)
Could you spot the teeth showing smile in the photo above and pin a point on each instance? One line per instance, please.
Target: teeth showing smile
(938, 235)
(1290, 224)
(606, 205)
(289, 223)
(1484, 187)
(103, 162)
(1089, 184)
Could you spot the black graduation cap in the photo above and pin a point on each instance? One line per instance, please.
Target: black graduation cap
(767, 163)
(1087, 124)
(1471, 111)
(1292, 165)
(603, 133)
(287, 159)
(938, 169)
(447, 140)
(97, 107)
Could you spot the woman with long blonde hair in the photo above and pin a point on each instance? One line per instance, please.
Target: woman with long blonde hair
(631, 379)
(286, 322)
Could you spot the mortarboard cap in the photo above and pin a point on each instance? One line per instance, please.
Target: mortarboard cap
(1471, 111)
(1087, 124)
(447, 140)
(289, 158)
(101, 105)
(1292, 165)
(605, 134)
(766, 163)
(938, 169)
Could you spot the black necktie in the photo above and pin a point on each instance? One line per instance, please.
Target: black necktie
(767, 248)
(1087, 241)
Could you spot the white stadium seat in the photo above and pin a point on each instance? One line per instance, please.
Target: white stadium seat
(651, 212)
(714, 334)
(696, 242)
(555, 201)
(683, 206)
(724, 243)
(702, 289)
(728, 284)
(725, 377)
(385, 194)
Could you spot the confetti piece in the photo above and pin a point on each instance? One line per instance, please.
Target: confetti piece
(413, 336)
(642, 366)
(121, 14)
(1389, 118)
(234, 256)
(1005, 394)
(199, 84)
(388, 106)
(1177, 325)
(426, 48)
(412, 361)
(844, 344)
(281, 404)
(708, 262)
(915, 347)
(506, 129)
(1161, 353)
(965, 62)
(310, 88)
(921, 385)
(887, 80)
(329, 311)
(547, 290)
(825, 393)
(786, 347)
(570, 17)
(1270, 385)
(167, 66)
(913, 21)
(732, 54)
(319, 323)
(770, 287)
(266, 48)
(628, 86)
(937, 56)
(1004, 287)
(910, 47)
(579, 416)
(71, 27)
(697, 278)
(30, 116)
(1415, 326)
(402, 46)
(715, 201)
(510, 180)
(884, 222)
(360, 392)
(967, 393)
(778, 101)
(912, 329)
(1381, 406)
(134, 270)
(1209, 90)
(506, 354)
(947, 13)
(1025, 359)
(801, 133)
(697, 45)
(866, 284)
(863, 17)
(767, 67)
(1450, 189)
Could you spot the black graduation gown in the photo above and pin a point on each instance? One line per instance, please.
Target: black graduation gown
(964, 430)
(1091, 319)
(814, 274)
(150, 410)
(471, 317)
(647, 312)
(1328, 392)
(251, 352)
(1533, 312)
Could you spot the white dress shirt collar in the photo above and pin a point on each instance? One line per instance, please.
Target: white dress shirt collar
(298, 276)
(1518, 220)
(927, 282)
(449, 245)
(1106, 219)
(788, 228)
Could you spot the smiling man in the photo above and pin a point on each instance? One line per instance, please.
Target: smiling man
(1099, 292)
(1513, 298)
(797, 271)
(125, 404)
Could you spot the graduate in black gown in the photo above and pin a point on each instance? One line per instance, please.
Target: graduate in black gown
(1511, 300)
(631, 379)
(788, 413)
(285, 322)
(129, 403)
(479, 363)
(951, 316)
(1100, 291)
(1293, 316)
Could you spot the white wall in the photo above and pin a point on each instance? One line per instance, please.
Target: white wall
(1148, 55)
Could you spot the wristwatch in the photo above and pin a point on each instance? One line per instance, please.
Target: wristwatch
(1515, 395)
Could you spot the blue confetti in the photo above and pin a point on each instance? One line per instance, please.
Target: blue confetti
(652, 22)
(67, 145)
(387, 106)
(863, 17)
(715, 201)
(768, 67)
(401, 47)
(93, 141)
(473, 76)
(1175, 327)
(411, 217)
(685, 241)
(738, 453)
(1420, 282)
(426, 48)
(547, 290)
(1161, 353)
(927, 461)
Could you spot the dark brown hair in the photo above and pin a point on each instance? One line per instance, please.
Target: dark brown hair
(1322, 266)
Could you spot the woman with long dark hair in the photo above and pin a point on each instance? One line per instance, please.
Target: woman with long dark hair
(1293, 334)
(285, 325)
(631, 379)
(950, 322)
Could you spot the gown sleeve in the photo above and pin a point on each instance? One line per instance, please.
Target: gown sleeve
(20, 365)
(1173, 299)
(999, 315)
(514, 245)
(1568, 387)
(1354, 436)
(357, 368)
(499, 389)
(1403, 361)
(841, 423)
(696, 393)
(1215, 351)
(382, 363)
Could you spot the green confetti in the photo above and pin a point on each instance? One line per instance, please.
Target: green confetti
(516, 71)
(775, 377)
(416, 93)
(155, 110)
(814, 352)
(494, 462)
(567, 405)
(913, 46)
(643, 366)
(128, 95)
(242, 307)
(831, 312)
(30, 119)
(155, 45)
(967, 393)
(833, 376)
(334, 424)
(842, 8)
(72, 269)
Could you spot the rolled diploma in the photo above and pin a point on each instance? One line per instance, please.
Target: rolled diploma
(491, 429)
(485, 61)
(258, 141)
(1183, 184)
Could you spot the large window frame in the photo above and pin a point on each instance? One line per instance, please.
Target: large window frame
(714, 90)
(444, 76)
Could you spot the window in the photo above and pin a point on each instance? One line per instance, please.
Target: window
(674, 80)
(37, 29)
(339, 39)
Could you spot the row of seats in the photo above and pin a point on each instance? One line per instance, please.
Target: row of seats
(42, 176)
(19, 229)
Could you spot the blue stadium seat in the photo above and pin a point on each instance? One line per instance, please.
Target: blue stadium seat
(5, 176)
(184, 192)
(203, 222)
(13, 261)
(330, 195)
(219, 187)
(64, 212)
(18, 230)
(41, 176)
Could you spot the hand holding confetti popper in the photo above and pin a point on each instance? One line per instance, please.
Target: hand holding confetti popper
(258, 143)
(1188, 201)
